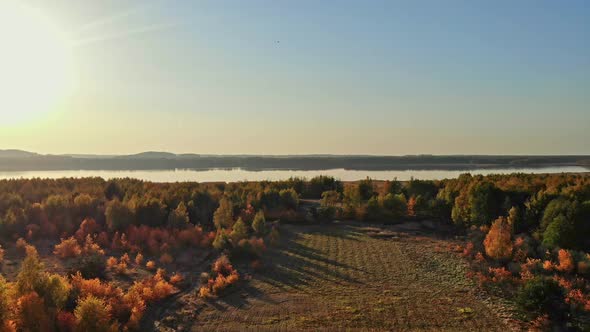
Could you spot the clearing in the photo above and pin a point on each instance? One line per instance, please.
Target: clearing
(348, 276)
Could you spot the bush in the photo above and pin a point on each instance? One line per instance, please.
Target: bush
(252, 248)
(326, 213)
(543, 296)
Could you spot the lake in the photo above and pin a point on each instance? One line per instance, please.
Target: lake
(234, 175)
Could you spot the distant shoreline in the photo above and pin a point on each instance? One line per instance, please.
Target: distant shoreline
(26, 161)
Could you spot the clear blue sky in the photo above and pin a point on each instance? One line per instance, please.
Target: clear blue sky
(343, 77)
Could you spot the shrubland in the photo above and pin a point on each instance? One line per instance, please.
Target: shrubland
(525, 235)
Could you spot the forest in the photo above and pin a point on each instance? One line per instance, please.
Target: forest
(95, 255)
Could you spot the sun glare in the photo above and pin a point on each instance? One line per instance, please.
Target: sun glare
(35, 63)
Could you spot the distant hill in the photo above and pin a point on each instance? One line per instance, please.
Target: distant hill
(12, 153)
(17, 160)
(149, 155)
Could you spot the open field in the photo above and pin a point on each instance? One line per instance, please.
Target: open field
(348, 276)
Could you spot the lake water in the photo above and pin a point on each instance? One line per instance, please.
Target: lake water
(234, 175)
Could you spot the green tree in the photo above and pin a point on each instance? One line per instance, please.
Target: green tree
(30, 277)
(289, 199)
(150, 211)
(259, 223)
(84, 206)
(373, 209)
(113, 190)
(178, 218)
(239, 231)
(330, 198)
(484, 202)
(55, 290)
(559, 233)
(92, 315)
(365, 188)
(221, 240)
(395, 204)
(118, 215)
(5, 305)
(515, 219)
(393, 187)
(224, 215)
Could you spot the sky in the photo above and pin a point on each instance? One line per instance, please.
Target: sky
(307, 77)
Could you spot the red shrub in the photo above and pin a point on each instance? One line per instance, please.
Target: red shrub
(67, 248)
(192, 236)
(91, 247)
(32, 231)
(223, 266)
(176, 279)
(166, 259)
(125, 259)
(548, 266)
(88, 227)
(500, 274)
(65, 321)
(139, 259)
(21, 244)
(479, 257)
(150, 265)
(468, 251)
(225, 277)
(31, 314)
(103, 239)
(566, 261)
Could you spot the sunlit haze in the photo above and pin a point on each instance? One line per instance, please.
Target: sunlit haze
(295, 77)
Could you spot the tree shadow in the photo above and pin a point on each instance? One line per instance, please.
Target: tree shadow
(296, 266)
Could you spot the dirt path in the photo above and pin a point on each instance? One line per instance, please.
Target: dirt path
(347, 276)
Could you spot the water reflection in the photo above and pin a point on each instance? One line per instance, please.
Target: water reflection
(233, 175)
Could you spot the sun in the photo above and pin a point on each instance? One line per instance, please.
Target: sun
(36, 63)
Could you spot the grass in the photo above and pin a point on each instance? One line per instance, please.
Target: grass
(339, 277)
